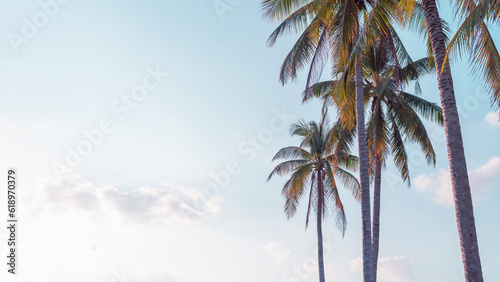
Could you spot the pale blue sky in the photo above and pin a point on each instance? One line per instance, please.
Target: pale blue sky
(133, 208)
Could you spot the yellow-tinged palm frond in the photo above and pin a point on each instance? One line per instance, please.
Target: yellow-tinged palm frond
(376, 25)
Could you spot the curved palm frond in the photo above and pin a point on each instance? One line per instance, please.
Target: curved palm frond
(302, 52)
(318, 90)
(350, 182)
(277, 10)
(286, 168)
(292, 152)
(296, 22)
(428, 110)
(293, 189)
(398, 149)
(333, 193)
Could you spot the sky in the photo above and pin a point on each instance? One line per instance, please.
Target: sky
(142, 134)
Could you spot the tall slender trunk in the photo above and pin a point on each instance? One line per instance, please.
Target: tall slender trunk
(319, 213)
(376, 211)
(363, 174)
(456, 156)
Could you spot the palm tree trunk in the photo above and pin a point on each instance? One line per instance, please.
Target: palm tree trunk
(456, 155)
(376, 211)
(319, 213)
(368, 274)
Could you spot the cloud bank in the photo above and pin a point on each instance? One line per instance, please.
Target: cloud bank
(169, 204)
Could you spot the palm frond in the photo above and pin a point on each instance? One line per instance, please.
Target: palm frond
(302, 52)
(319, 59)
(350, 182)
(292, 152)
(277, 10)
(312, 195)
(286, 168)
(416, 70)
(400, 156)
(294, 23)
(332, 192)
(293, 189)
(317, 90)
(428, 110)
(486, 60)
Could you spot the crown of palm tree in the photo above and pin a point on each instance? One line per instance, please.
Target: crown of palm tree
(314, 159)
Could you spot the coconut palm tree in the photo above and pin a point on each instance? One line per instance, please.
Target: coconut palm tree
(472, 35)
(393, 121)
(330, 30)
(456, 156)
(313, 165)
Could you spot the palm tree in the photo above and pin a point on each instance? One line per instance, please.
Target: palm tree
(393, 120)
(487, 60)
(331, 28)
(456, 155)
(473, 35)
(313, 165)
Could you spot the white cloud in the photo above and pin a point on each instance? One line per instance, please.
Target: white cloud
(390, 269)
(422, 182)
(492, 119)
(276, 251)
(356, 265)
(145, 205)
(395, 269)
(140, 275)
(439, 183)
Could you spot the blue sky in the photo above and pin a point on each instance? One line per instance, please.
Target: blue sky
(176, 191)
